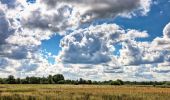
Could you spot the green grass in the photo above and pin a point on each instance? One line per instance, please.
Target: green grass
(82, 92)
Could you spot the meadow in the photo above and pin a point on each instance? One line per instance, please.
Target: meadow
(81, 92)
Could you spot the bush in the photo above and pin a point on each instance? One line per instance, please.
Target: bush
(167, 83)
(120, 81)
(115, 83)
(61, 82)
(57, 78)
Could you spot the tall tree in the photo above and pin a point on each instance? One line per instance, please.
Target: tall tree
(18, 81)
(10, 79)
(57, 78)
(50, 79)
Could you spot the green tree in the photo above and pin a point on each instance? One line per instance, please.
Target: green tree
(57, 78)
(89, 82)
(82, 81)
(27, 80)
(120, 81)
(61, 82)
(34, 80)
(10, 79)
(18, 81)
(115, 83)
(1, 81)
(50, 79)
(43, 80)
(167, 83)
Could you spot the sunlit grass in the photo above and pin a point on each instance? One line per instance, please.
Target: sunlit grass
(82, 92)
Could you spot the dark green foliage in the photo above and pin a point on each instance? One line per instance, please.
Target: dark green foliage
(18, 81)
(82, 81)
(2, 81)
(167, 83)
(57, 78)
(34, 80)
(115, 83)
(89, 82)
(43, 80)
(120, 82)
(50, 79)
(61, 82)
(10, 79)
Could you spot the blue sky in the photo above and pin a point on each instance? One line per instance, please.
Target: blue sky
(105, 40)
(52, 45)
(157, 14)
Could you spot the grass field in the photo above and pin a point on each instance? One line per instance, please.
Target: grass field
(82, 92)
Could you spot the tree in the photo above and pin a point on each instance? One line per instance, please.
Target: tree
(24, 81)
(1, 81)
(50, 79)
(61, 82)
(18, 81)
(120, 81)
(89, 82)
(34, 80)
(115, 83)
(10, 79)
(43, 80)
(167, 83)
(82, 81)
(57, 78)
(27, 80)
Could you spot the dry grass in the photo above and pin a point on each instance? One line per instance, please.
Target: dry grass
(82, 92)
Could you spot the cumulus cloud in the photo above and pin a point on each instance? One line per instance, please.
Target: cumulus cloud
(64, 15)
(5, 28)
(166, 31)
(18, 46)
(91, 45)
(59, 19)
(40, 19)
(162, 68)
(111, 69)
(154, 52)
(96, 44)
(105, 9)
(9, 3)
(144, 56)
(137, 53)
(84, 52)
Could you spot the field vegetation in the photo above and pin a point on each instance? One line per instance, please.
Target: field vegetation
(56, 87)
(81, 92)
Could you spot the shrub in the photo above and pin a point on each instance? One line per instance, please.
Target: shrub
(115, 83)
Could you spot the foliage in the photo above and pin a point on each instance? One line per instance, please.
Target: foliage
(59, 79)
(10, 79)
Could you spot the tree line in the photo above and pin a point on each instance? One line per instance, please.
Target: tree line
(59, 79)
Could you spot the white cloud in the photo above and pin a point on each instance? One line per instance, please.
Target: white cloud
(9, 3)
(144, 56)
(166, 31)
(95, 44)
(137, 53)
(90, 45)
(18, 46)
(84, 52)
(62, 15)
(133, 34)
(105, 9)
(59, 19)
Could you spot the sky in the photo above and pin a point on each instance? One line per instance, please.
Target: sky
(89, 39)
